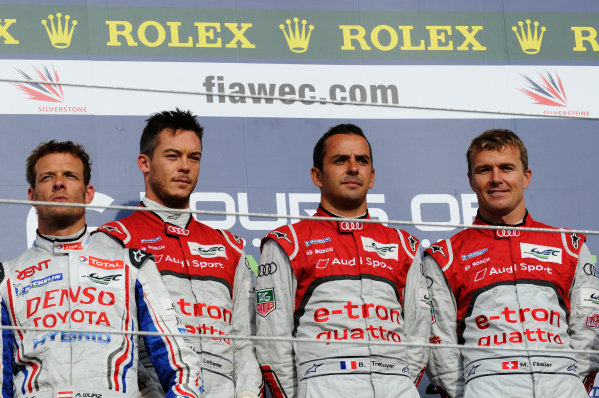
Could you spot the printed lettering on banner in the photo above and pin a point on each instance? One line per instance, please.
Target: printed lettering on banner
(265, 301)
(384, 250)
(541, 253)
(207, 251)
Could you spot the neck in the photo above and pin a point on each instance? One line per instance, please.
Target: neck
(353, 213)
(508, 219)
(166, 214)
(55, 229)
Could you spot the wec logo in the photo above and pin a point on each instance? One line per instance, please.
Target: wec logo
(208, 251)
(387, 251)
(541, 253)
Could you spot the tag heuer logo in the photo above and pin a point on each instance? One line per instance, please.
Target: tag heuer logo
(265, 301)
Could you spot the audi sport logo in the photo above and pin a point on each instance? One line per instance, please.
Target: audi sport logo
(351, 226)
(507, 233)
(173, 229)
(267, 269)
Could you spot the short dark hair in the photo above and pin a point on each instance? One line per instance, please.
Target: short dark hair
(53, 146)
(319, 148)
(494, 140)
(175, 120)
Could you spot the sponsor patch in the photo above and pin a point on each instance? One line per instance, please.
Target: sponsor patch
(65, 247)
(509, 365)
(316, 241)
(265, 301)
(592, 321)
(474, 254)
(589, 297)
(387, 251)
(174, 230)
(267, 269)
(152, 240)
(20, 291)
(103, 279)
(207, 251)
(101, 262)
(541, 253)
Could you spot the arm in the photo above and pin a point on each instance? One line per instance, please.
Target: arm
(417, 317)
(248, 378)
(7, 354)
(176, 362)
(278, 287)
(584, 335)
(444, 365)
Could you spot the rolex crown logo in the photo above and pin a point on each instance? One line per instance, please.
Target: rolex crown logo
(297, 39)
(60, 34)
(529, 42)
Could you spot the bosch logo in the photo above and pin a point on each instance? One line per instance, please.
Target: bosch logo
(267, 269)
(172, 229)
(351, 226)
(507, 233)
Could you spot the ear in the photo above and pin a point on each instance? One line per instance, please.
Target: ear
(527, 178)
(371, 180)
(89, 194)
(470, 182)
(143, 162)
(316, 175)
(30, 193)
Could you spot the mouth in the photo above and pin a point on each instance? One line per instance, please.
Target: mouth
(352, 183)
(182, 181)
(60, 199)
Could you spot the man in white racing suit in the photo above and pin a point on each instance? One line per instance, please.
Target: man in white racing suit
(68, 280)
(507, 288)
(341, 281)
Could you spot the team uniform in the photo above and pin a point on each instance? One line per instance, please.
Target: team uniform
(97, 289)
(341, 281)
(517, 289)
(210, 283)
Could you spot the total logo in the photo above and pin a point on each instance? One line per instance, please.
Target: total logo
(101, 262)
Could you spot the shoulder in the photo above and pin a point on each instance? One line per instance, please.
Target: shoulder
(138, 257)
(408, 242)
(116, 230)
(285, 236)
(227, 238)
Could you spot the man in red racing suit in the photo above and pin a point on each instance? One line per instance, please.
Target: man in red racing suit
(507, 288)
(205, 270)
(341, 281)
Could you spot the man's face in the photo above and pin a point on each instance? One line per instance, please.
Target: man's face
(172, 172)
(346, 176)
(59, 178)
(498, 178)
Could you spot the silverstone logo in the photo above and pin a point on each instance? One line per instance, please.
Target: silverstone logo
(541, 253)
(548, 90)
(387, 251)
(36, 283)
(51, 91)
(207, 251)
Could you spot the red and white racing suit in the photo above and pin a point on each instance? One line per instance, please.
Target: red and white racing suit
(97, 289)
(516, 289)
(209, 280)
(341, 281)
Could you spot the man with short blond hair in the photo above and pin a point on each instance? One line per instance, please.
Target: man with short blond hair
(510, 288)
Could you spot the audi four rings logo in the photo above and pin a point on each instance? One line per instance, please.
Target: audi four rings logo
(172, 229)
(351, 226)
(506, 233)
(267, 269)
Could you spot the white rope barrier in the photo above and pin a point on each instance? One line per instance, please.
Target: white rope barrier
(298, 217)
(298, 340)
(305, 100)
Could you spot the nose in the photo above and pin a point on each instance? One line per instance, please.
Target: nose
(352, 166)
(184, 164)
(58, 183)
(495, 176)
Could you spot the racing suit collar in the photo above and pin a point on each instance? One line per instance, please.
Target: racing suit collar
(503, 233)
(179, 219)
(62, 244)
(341, 225)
